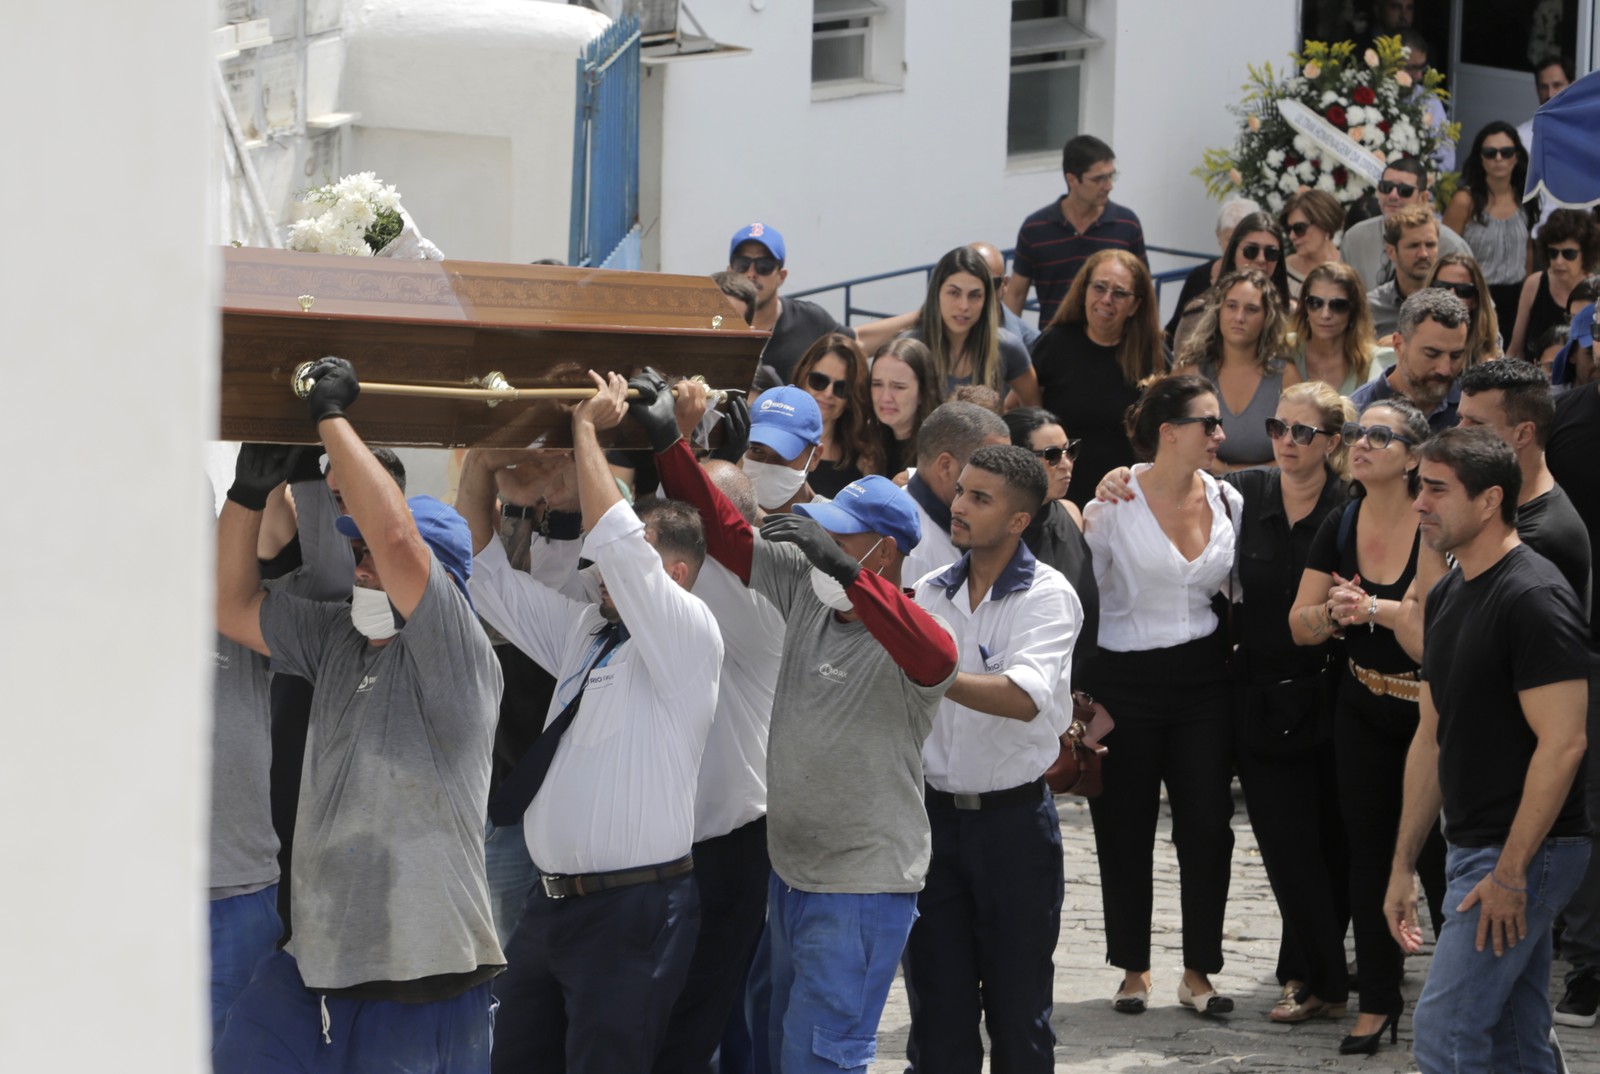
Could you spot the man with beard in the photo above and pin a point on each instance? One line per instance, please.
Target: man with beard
(1430, 352)
(1411, 241)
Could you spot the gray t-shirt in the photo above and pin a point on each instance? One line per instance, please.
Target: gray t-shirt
(244, 845)
(844, 755)
(388, 881)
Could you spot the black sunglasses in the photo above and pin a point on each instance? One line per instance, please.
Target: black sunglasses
(1467, 292)
(1252, 250)
(1566, 253)
(1504, 152)
(1299, 230)
(764, 266)
(1209, 423)
(1315, 302)
(1052, 455)
(1389, 186)
(1378, 436)
(821, 382)
(1300, 434)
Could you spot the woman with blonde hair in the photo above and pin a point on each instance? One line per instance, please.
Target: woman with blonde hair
(1334, 341)
(833, 371)
(1238, 345)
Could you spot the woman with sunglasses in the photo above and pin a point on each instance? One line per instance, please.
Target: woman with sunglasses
(1460, 275)
(1104, 339)
(1569, 243)
(1164, 564)
(1361, 562)
(905, 390)
(1332, 330)
(1238, 345)
(960, 324)
(834, 372)
(1488, 211)
(1311, 219)
(1257, 245)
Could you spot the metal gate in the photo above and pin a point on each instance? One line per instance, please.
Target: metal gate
(605, 151)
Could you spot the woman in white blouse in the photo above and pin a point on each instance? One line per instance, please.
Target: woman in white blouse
(1164, 564)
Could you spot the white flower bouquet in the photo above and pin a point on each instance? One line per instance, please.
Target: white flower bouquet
(358, 216)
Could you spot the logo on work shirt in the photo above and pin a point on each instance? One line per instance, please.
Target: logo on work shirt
(366, 684)
(224, 661)
(831, 673)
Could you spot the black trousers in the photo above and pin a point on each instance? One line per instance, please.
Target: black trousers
(1173, 727)
(591, 979)
(983, 945)
(730, 873)
(1371, 735)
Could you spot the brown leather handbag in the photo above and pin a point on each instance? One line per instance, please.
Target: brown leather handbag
(1077, 766)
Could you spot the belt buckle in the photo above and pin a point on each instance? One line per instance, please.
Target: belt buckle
(544, 883)
(967, 801)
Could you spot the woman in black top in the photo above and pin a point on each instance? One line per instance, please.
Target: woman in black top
(1257, 243)
(1569, 243)
(1375, 537)
(833, 371)
(1103, 341)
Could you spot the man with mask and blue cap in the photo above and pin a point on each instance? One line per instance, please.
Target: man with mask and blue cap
(388, 966)
(785, 438)
(862, 673)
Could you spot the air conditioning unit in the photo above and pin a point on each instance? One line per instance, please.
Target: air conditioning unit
(658, 19)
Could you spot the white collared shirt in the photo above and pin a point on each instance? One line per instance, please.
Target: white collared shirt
(620, 792)
(1150, 596)
(1024, 629)
(934, 552)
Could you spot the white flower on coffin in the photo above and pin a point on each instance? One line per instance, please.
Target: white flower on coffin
(359, 216)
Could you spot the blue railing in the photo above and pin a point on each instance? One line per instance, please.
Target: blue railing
(605, 145)
(852, 310)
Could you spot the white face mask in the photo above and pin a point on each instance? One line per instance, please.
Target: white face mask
(371, 613)
(828, 589)
(775, 485)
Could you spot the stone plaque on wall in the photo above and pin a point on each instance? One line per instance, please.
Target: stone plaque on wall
(284, 15)
(237, 10)
(280, 87)
(243, 82)
(322, 160)
(321, 16)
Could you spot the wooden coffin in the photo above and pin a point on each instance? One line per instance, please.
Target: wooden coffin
(445, 323)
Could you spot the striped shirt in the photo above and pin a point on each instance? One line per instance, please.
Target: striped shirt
(1050, 250)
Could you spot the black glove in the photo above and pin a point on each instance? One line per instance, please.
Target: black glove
(335, 387)
(653, 409)
(260, 469)
(822, 550)
(735, 431)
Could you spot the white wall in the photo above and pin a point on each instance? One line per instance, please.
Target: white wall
(105, 558)
(889, 180)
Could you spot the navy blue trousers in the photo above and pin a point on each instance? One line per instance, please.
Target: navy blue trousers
(984, 940)
(592, 979)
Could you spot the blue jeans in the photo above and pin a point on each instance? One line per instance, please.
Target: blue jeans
(511, 876)
(833, 960)
(1479, 1012)
(244, 930)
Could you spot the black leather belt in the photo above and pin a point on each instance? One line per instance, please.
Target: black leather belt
(557, 886)
(1028, 793)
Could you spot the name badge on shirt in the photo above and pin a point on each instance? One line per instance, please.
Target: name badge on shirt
(993, 663)
(601, 679)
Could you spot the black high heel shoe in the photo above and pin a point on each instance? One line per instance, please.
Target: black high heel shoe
(1367, 1044)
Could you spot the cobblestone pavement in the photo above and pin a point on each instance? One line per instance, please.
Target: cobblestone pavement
(1093, 1038)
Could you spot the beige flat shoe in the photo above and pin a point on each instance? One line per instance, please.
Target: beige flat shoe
(1208, 1003)
(1135, 1002)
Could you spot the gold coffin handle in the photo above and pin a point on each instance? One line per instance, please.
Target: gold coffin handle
(492, 389)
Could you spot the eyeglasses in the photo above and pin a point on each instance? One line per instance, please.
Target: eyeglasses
(821, 382)
(1387, 186)
(1299, 230)
(764, 266)
(1252, 250)
(1566, 253)
(1209, 423)
(1300, 434)
(1377, 436)
(1052, 455)
(1466, 292)
(1102, 289)
(1504, 152)
(1314, 303)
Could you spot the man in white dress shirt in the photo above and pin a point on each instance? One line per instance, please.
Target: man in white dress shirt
(990, 913)
(605, 941)
(945, 442)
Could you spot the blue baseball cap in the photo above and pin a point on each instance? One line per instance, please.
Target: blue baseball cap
(765, 234)
(444, 530)
(786, 420)
(871, 505)
(1580, 334)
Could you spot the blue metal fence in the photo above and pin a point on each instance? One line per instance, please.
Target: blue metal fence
(605, 150)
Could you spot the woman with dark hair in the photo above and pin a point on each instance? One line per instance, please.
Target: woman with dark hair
(1569, 243)
(1103, 340)
(1311, 219)
(960, 323)
(834, 372)
(1361, 562)
(1332, 330)
(1162, 563)
(1238, 345)
(1489, 213)
(905, 390)
(1256, 244)
(1460, 275)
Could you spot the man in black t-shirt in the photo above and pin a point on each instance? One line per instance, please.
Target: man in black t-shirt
(758, 253)
(1499, 749)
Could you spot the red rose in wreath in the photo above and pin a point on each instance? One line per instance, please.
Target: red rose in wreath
(1340, 177)
(1364, 96)
(1336, 116)
(1384, 125)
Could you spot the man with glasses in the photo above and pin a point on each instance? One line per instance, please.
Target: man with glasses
(1430, 351)
(1055, 241)
(945, 442)
(1405, 182)
(1411, 243)
(757, 252)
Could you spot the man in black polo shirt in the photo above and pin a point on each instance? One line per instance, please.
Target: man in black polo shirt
(1500, 750)
(1055, 241)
